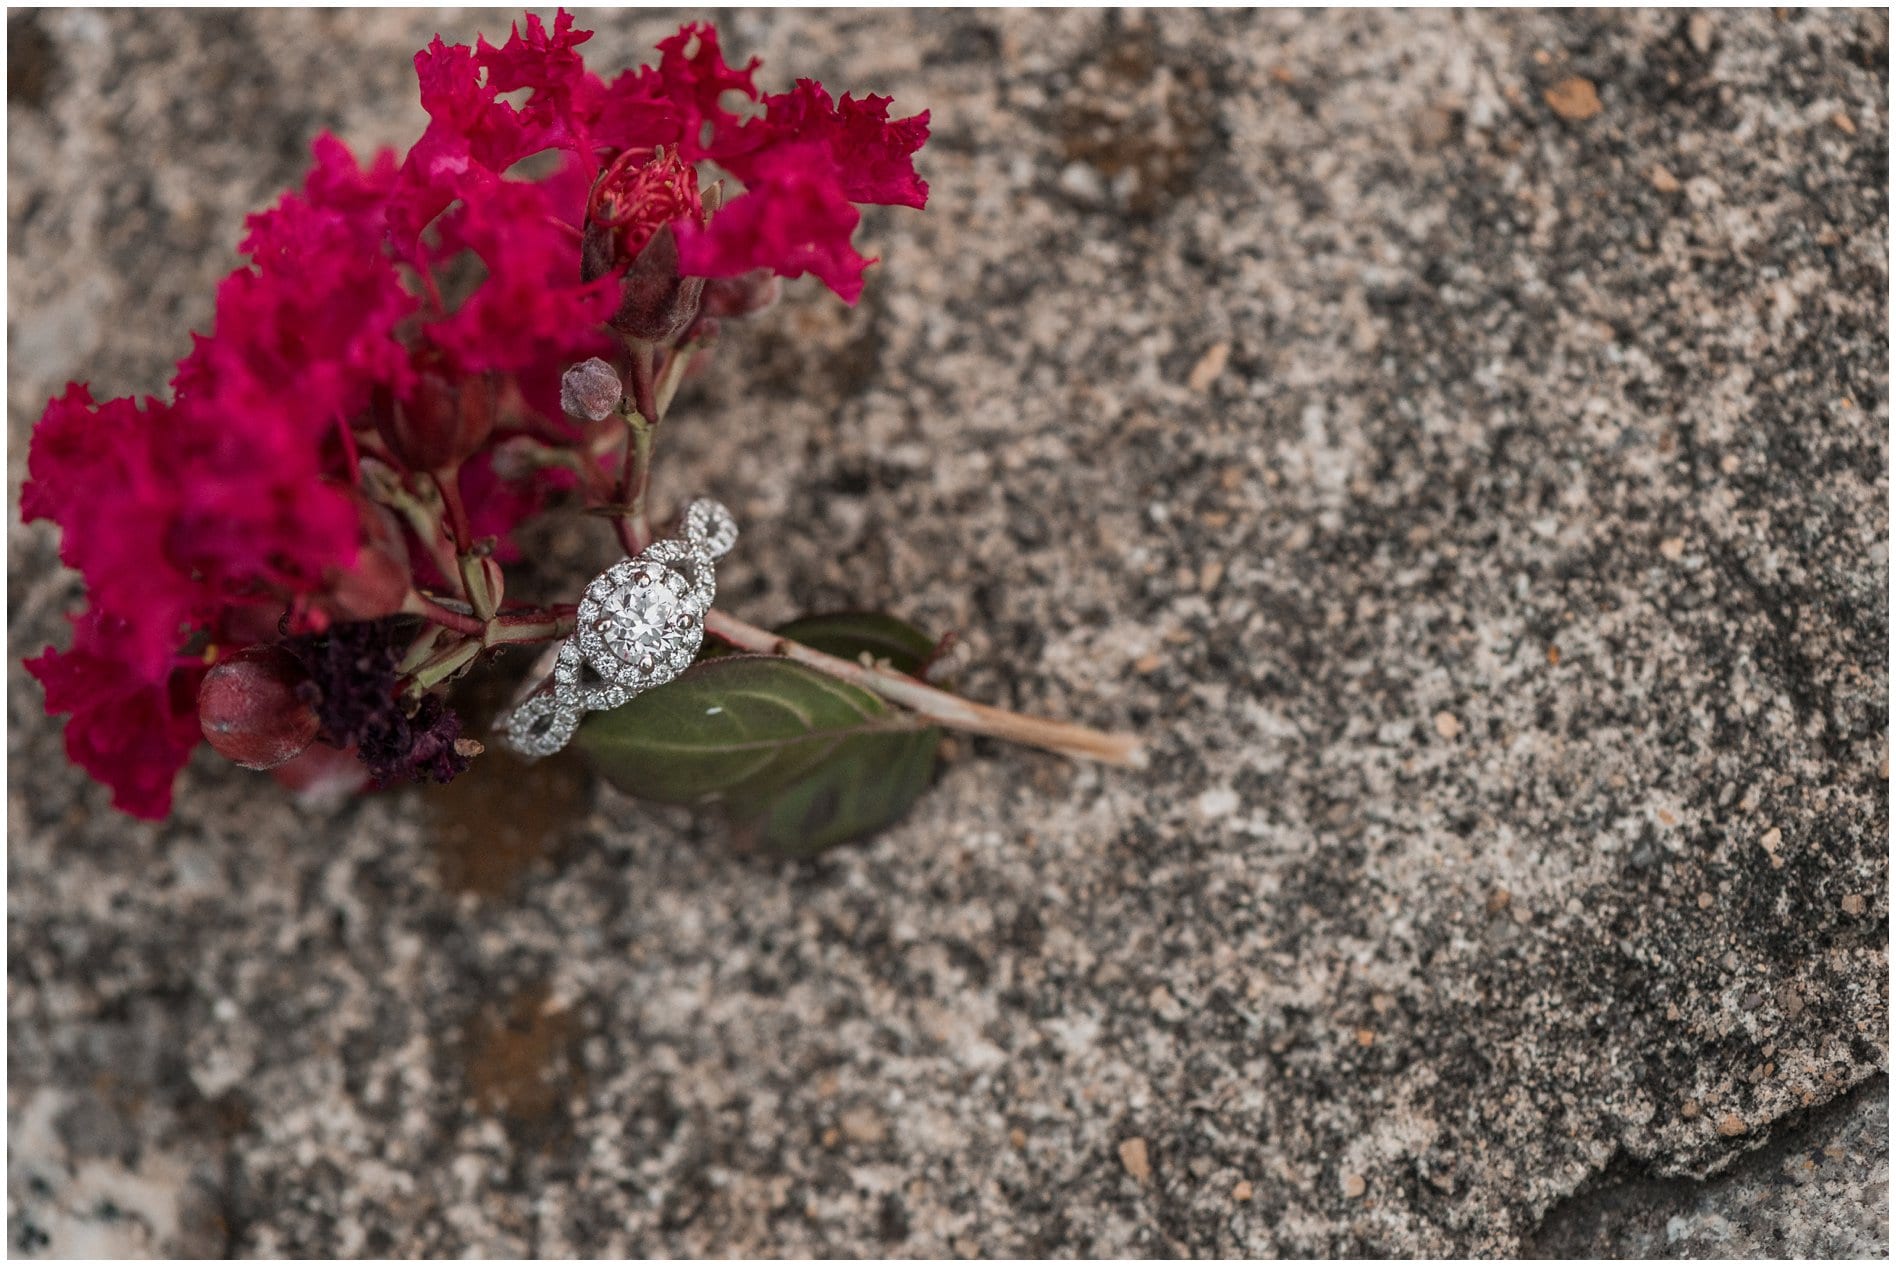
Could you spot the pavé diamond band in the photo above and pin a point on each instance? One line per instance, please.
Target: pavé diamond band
(640, 624)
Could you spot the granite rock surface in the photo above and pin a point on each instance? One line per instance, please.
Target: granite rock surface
(1458, 441)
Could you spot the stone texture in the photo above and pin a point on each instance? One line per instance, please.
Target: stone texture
(1820, 1189)
(1480, 505)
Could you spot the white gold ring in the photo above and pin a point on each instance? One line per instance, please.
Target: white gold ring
(640, 625)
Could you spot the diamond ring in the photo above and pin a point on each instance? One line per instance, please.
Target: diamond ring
(640, 624)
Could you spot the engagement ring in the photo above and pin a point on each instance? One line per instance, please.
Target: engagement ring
(640, 624)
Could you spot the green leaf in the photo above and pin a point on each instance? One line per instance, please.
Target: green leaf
(799, 760)
(850, 634)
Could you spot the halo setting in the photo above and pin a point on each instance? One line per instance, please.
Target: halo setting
(640, 624)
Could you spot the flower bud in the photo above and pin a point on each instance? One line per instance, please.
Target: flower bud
(250, 710)
(655, 303)
(628, 231)
(377, 583)
(444, 420)
(591, 390)
(743, 295)
(486, 584)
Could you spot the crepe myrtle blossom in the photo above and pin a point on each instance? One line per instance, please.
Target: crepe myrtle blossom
(306, 541)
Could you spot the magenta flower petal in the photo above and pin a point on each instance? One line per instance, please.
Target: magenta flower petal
(871, 155)
(129, 732)
(532, 310)
(793, 219)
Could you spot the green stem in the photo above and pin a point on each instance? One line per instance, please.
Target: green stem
(635, 476)
(458, 639)
(428, 529)
(419, 650)
(673, 376)
(444, 664)
(538, 626)
(639, 379)
(635, 480)
(421, 605)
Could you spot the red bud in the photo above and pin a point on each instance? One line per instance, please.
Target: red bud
(655, 303)
(591, 390)
(628, 227)
(444, 420)
(377, 583)
(250, 711)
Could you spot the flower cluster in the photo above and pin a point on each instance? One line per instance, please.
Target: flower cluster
(378, 408)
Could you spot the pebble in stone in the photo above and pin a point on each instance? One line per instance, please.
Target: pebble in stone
(1133, 1156)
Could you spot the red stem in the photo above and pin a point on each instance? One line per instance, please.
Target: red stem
(449, 482)
(448, 618)
(534, 615)
(644, 377)
(628, 537)
(559, 617)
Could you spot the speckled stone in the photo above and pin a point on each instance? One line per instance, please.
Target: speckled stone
(1479, 500)
(1819, 1189)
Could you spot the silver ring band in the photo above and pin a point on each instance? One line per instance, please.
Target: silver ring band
(640, 625)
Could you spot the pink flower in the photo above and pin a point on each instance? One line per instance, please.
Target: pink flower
(693, 85)
(171, 513)
(870, 156)
(566, 96)
(94, 470)
(532, 310)
(317, 316)
(804, 165)
(174, 513)
(130, 731)
(473, 137)
(232, 515)
(793, 219)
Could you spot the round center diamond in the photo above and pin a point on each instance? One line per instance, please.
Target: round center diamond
(646, 621)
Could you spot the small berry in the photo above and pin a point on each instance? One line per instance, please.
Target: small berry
(251, 711)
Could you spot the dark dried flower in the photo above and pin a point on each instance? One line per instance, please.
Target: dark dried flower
(352, 686)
